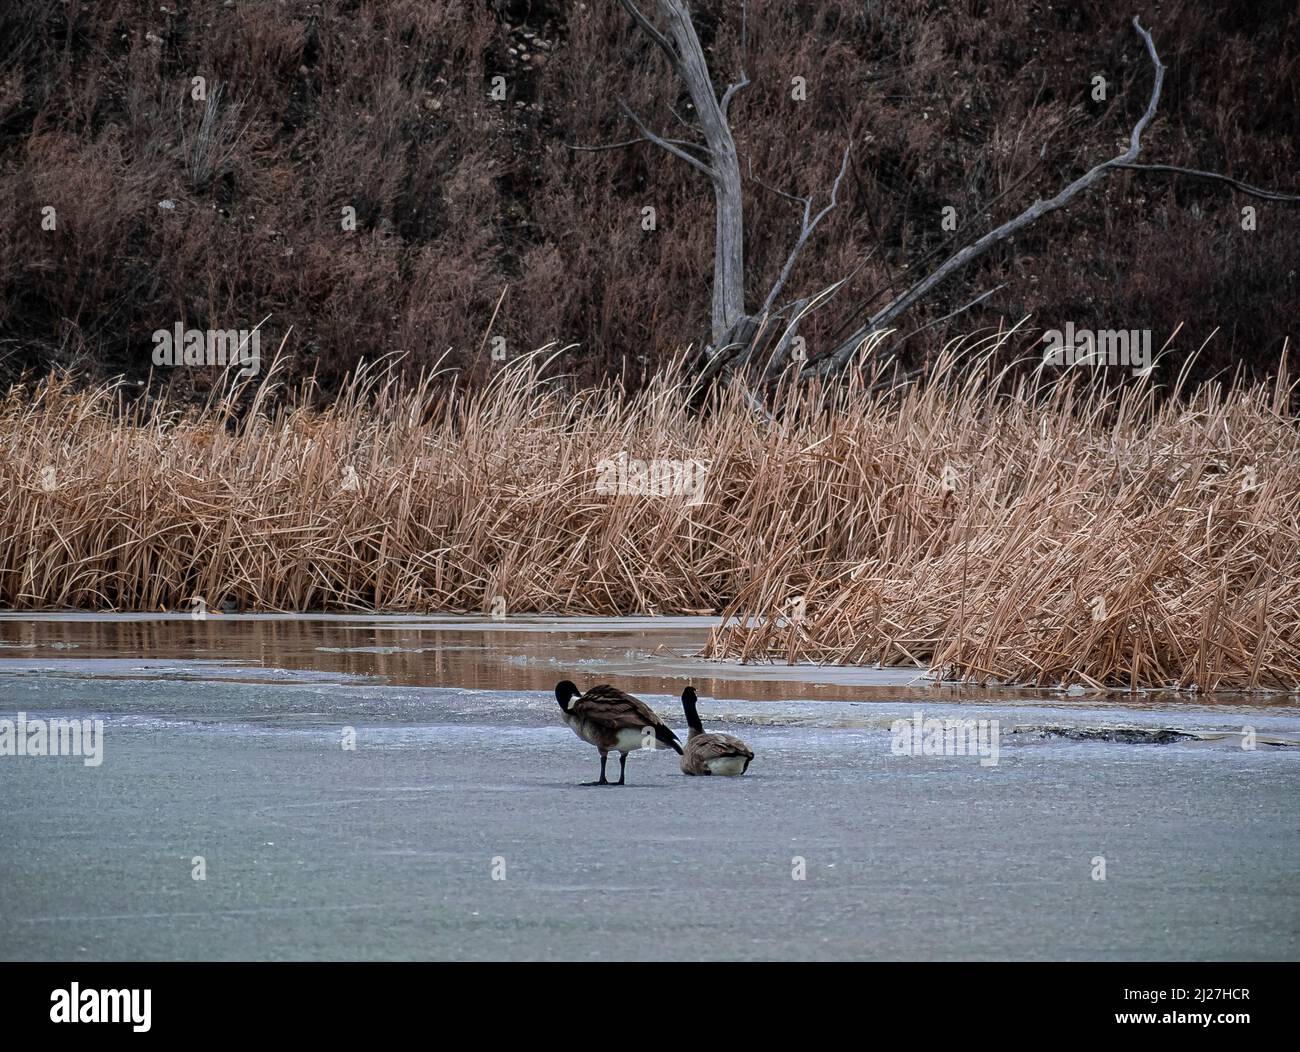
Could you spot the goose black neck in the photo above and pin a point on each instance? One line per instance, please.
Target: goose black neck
(692, 717)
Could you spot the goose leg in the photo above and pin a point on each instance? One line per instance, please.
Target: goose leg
(603, 780)
(622, 768)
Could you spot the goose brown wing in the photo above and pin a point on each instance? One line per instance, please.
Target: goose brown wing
(718, 746)
(610, 705)
(612, 708)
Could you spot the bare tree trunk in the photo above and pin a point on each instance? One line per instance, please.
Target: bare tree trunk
(684, 52)
(736, 334)
(729, 240)
(733, 331)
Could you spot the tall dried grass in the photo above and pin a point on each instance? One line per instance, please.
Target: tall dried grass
(1036, 530)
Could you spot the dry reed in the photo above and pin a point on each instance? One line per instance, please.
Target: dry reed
(1041, 530)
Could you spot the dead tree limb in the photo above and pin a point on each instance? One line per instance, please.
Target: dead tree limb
(806, 227)
(653, 33)
(882, 319)
(1236, 184)
(596, 148)
(743, 82)
(736, 335)
(844, 353)
(667, 144)
(960, 310)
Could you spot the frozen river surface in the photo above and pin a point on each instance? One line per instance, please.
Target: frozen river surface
(455, 829)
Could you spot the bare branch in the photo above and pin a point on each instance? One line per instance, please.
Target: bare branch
(780, 193)
(667, 144)
(730, 93)
(1135, 138)
(1237, 184)
(960, 310)
(606, 146)
(680, 119)
(733, 89)
(662, 41)
(806, 228)
(781, 352)
(943, 246)
(797, 311)
(845, 352)
(634, 142)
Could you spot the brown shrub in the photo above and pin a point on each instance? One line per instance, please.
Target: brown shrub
(384, 107)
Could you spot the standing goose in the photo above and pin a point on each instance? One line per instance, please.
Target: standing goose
(613, 722)
(711, 753)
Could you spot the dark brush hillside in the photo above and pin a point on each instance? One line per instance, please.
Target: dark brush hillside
(220, 213)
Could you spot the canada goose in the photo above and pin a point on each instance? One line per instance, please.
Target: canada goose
(613, 722)
(711, 753)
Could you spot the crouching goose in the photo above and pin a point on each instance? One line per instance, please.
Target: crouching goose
(613, 722)
(711, 753)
